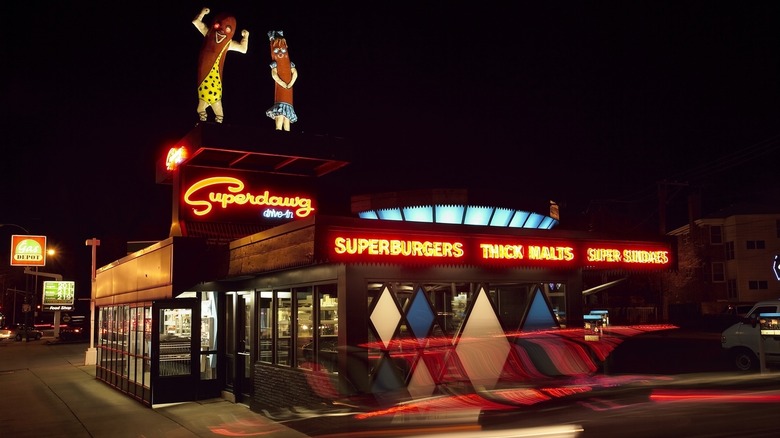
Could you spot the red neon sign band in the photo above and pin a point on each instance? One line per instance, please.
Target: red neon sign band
(530, 252)
(395, 247)
(612, 255)
(517, 252)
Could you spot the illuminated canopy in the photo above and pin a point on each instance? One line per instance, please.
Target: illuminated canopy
(463, 215)
(449, 206)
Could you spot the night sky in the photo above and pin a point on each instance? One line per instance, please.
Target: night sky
(580, 102)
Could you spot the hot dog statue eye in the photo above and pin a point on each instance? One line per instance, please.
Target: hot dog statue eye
(217, 41)
(284, 74)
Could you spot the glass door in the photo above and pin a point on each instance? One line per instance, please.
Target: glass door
(175, 337)
(240, 343)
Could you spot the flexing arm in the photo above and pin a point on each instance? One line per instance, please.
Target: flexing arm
(198, 21)
(243, 45)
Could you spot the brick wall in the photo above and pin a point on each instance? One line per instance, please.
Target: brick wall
(280, 388)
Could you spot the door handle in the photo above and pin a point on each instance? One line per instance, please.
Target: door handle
(243, 353)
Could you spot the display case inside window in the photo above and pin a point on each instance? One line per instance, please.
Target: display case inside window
(175, 340)
(177, 323)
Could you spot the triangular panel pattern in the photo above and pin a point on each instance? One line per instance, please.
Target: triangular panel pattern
(420, 316)
(385, 316)
(421, 384)
(482, 347)
(540, 316)
(386, 377)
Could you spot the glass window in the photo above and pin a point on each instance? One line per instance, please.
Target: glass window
(729, 250)
(327, 353)
(556, 292)
(732, 289)
(716, 235)
(266, 327)
(758, 284)
(718, 272)
(147, 345)
(304, 334)
(208, 339)
(283, 326)
(124, 348)
(136, 345)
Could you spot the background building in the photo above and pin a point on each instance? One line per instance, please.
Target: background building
(726, 257)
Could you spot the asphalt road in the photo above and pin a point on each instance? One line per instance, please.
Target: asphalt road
(662, 384)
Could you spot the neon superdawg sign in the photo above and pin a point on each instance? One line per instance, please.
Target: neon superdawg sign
(208, 196)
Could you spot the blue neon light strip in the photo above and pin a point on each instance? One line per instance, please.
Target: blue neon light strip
(419, 214)
(449, 214)
(464, 215)
(390, 214)
(477, 215)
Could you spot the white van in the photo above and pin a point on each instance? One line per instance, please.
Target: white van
(741, 340)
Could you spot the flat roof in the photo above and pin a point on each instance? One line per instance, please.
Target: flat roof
(247, 148)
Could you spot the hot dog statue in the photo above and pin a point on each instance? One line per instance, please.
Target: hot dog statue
(284, 74)
(218, 40)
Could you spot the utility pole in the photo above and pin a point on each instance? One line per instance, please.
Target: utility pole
(91, 355)
(663, 201)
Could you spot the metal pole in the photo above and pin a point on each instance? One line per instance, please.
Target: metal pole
(91, 355)
(35, 295)
(26, 284)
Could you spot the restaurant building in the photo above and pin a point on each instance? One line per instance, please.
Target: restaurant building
(257, 297)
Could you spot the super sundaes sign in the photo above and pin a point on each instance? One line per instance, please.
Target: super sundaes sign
(219, 197)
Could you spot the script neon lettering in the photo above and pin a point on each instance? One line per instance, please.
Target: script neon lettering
(398, 248)
(175, 157)
(235, 195)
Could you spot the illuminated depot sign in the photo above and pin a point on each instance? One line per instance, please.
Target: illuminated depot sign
(243, 197)
(28, 250)
(507, 252)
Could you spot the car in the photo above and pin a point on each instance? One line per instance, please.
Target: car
(740, 310)
(19, 332)
(744, 344)
(73, 333)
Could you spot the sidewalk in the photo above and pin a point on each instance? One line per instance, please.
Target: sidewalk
(48, 391)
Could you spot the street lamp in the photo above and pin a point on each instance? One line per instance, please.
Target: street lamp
(17, 226)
